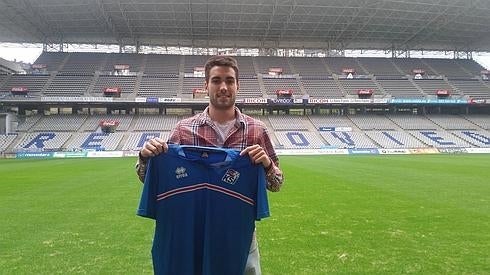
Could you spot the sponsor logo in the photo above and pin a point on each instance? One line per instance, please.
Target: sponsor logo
(180, 172)
(231, 176)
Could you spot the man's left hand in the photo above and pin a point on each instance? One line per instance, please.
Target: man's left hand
(258, 155)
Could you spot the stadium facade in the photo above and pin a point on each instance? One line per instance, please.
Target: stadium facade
(323, 103)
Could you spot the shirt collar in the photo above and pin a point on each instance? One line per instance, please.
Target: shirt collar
(204, 118)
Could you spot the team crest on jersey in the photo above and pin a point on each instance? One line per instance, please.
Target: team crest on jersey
(231, 176)
(180, 172)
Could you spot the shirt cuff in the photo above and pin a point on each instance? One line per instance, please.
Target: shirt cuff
(274, 178)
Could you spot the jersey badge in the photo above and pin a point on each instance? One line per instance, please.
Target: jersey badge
(180, 172)
(231, 176)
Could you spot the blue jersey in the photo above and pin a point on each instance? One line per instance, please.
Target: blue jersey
(205, 202)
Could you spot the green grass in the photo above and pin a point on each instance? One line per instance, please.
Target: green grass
(426, 214)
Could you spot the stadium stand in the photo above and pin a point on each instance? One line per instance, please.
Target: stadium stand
(342, 139)
(158, 86)
(309, 66)
(191, 83)
(155, 122)
(125, 83)
(399, 88)
(470, 66)
(430, 86)
(135, 141)
(167, 65)
(298, 140)
(133, 60)
(447, 67)
(439, 139)
(34, 83)
(52, 60)
(87, 63)
(92, 122)
(412, 122)
(394, 139)
(193, 61)
(407, 65)
(95, 141)
(372, 122)
(27, 122)
(249, 87)
(473, 88)
(266, 62)
(452, 122)
(379, 66)
(337, 64)
(68, 85)
(88, 74)
(321, 87)
(482, 121)
(59, 123)
(247, 67)
(331, 121)
(352, 86)
(273, 84)
(287, 123)
(475, 138)
(43, 141)
(6, 140)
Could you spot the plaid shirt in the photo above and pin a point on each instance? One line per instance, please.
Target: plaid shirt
(200, 130)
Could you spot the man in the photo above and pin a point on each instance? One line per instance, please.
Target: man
(223, 125)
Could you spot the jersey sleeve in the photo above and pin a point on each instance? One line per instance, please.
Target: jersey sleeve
(147, 206)
(262, 201)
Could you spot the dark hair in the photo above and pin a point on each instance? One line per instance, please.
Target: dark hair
(220, 60)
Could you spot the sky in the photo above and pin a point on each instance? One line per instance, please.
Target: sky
(30, 54)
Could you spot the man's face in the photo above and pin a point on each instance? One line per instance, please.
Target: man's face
(222, 87)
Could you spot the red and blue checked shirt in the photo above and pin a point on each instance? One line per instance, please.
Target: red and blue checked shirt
(200, 130)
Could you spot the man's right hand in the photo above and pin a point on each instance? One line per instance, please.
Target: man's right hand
(153, 147)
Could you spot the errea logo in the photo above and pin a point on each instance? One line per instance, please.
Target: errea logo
(180, 172)
(231, 176)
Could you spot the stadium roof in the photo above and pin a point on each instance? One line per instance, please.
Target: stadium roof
(461, 25)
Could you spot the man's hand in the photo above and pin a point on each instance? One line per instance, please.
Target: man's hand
(258, 155)
(153, 147)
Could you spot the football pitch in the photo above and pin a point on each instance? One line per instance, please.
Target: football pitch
(426, 214)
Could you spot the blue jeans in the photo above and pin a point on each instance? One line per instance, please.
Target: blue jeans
(253, 261)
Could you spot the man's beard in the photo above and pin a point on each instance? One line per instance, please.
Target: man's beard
(222, 101)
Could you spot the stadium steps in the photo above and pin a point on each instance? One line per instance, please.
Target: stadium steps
(410, 78)
(454, 89)
(137, 84)
(336, 79)
(430, 67)
(63, 62)
(90, 87)
(396, 67)
(312, 129)
(378, 85)
(366, 72)
(329, 70)
(15, 142)
(5, 80)
(103, 63)
(181, 76)
(132, 124)
(48, 82)
(262, 85)
(256, 68)
(464, 69)
(143, 64)
(73, 136)
(300, 84)
(123, 141)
